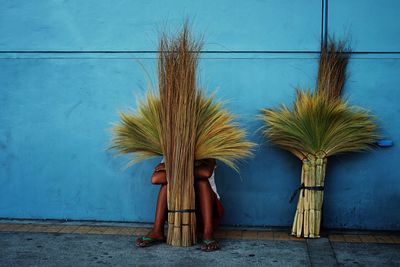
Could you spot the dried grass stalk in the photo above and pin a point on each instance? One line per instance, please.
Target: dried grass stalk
(332, 68)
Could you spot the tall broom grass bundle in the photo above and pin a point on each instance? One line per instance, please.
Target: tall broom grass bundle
(182, 124)
(320, 125)
(177, 63)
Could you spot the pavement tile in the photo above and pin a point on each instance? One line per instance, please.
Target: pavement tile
(336, 238)
(97, 230)
(384, 239)
(396, 238)
(249, 235)
(295, 238)
(366, 254)
(12, 227)
(83, 229)
(16, 227)
(265, 235)
(38, 228)
(221, 234)
(352, 238)
(24, 228)
(53, 229)
(234, 234)
(320, 252)
(45, 228)
(2, 226)
(127, 231)
(68, 229)
(140, 231)
(281, 235)
(368, 238)
(112, 231)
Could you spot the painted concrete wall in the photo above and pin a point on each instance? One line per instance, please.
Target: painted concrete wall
(68, 67)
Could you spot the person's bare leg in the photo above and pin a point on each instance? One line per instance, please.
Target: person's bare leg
(158, 227)
(206, 201)
(157, 232)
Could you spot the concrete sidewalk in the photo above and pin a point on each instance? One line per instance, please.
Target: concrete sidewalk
(48, 245)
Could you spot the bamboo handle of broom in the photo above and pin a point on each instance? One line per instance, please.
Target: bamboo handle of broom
(297, 214)
(313, 198)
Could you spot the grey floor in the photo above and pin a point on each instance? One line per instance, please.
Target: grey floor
(47, 249)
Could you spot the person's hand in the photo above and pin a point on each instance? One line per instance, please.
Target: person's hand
(160, 167)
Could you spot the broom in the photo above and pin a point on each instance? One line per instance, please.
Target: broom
(321, 124)
(177, 65)
(184, 125)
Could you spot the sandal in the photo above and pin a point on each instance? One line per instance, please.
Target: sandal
(209, 245)
(146, 241)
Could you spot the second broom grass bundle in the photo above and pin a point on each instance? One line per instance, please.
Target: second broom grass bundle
(320, 125)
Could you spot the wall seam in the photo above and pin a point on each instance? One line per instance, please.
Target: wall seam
(324, 21)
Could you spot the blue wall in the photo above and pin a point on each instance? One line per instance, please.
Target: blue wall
(68, 67)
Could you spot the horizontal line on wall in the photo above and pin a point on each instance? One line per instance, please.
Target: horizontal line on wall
(153, 58)
(202, 58)
(254, 57)
(202, 52)
(150, 52)
(206, 55)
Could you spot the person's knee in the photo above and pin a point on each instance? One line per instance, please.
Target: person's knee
(159, 178)
(161, 183)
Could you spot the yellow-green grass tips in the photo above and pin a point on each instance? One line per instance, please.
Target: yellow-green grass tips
(317, 123)
(218, 135)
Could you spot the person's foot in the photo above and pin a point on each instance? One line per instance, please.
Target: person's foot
(209, 245)
(150, 239)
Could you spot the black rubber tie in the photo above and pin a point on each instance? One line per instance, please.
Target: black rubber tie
(182, 211)
(302, 186)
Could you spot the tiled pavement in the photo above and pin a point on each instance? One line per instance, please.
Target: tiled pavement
(58, 243)
(224, 233)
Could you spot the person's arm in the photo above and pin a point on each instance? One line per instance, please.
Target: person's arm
(159, 176)
(205, 169)
(202, 171)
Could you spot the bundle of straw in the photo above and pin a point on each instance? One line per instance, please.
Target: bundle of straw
(320, 125)
(177, 65)
(184, 125)
(332, 69)
(218, 136)
(140, 133)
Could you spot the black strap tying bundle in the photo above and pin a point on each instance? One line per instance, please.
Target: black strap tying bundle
(302, 186)
(187, 210)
